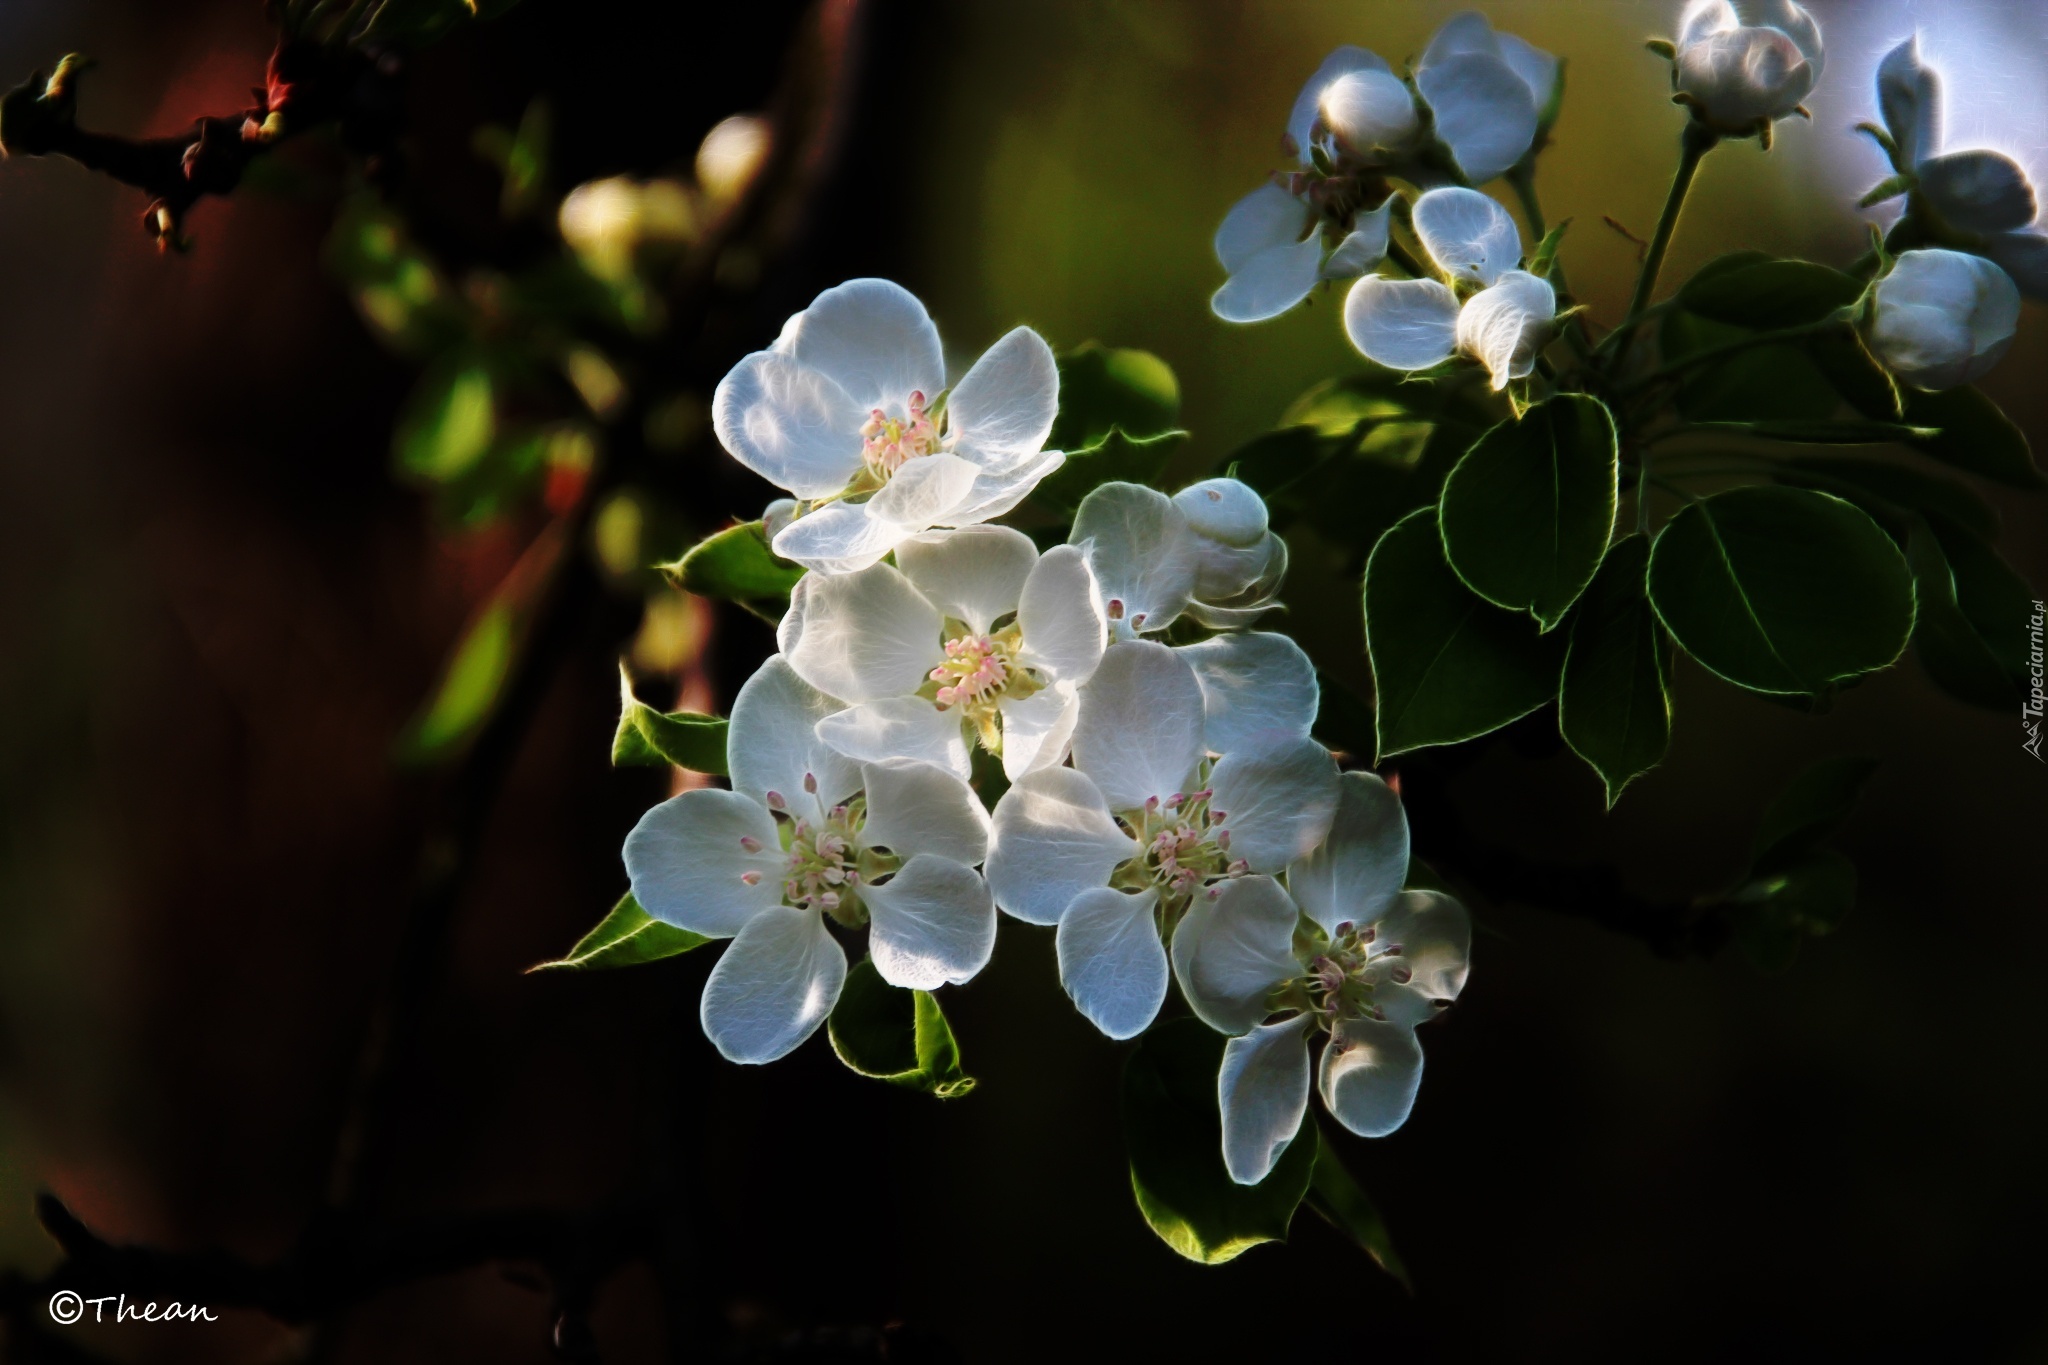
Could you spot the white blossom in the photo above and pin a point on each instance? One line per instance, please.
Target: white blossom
(1483, 307)
(1941, 318)
(1147, 822)
(805, 834)
(844, 412)
(1330, 947)
(973, 636)
(1488, 92)
(1206, 552)
(1742, 64)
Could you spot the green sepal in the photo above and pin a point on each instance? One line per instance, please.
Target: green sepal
(1173, 1127)
(1546, 250)
(1614, 704)
(626, 937)
(1891, 187)
(647, 738)
(895, 1035)
(736, 565)
(1339, 1201)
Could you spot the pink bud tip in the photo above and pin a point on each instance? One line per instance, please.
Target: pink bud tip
(775, 801)
(750, 843)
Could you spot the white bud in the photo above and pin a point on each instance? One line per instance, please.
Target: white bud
(1743, 63)
(1367, 109)
(1942, 318)
(1224, 510)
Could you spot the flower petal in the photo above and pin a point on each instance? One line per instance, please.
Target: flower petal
(1909, 94)
(1276, 802)
(773, 739)
(1139, 734)
(1434, 934)
(1052, 838)
(996, 493)
(1271, 282)
(973, 575)
(2023, 256)
(1978, 191)
(1258, 690)
(874, 338)
(838, 538)
(930, 925)
(1038, 730)
(1458, 36)
(1225, 510)
(1267, 217)
(861, 636)
(1111, 960)
(1467, 234)
(1507, 325)
(1001, 413)
(926, 491)
(1308, 104)
(1060, 616)
(1402, 324)
(1143, 554)
(899, 727)
(1537, 68)
(1231, 952)
(1262, 1090)
(790, 424)
(1370, 1073)
(1357, 872)
(1363, 248)
(916, 808)
(1790, 19)
(686, 861)
(773, 987)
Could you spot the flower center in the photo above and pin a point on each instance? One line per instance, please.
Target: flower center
(1340, 977)
(979, 671)
(825, 862)
(1185, 849)
(887, 443)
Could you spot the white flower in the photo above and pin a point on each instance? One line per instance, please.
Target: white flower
(1338, 949)
(1981, 194)
(1942, 318)
(1488, 92)
(1505, 318)
(841, 411)
(1206, 552)
(975, 636)
(1741, 64)
(1115, 849)
(803, 834)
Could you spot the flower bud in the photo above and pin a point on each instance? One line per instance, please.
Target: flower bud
(1741, 64)
(1367, 109)
(1225, 510)
(1942, 318)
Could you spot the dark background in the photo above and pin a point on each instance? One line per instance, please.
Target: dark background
(217, 612)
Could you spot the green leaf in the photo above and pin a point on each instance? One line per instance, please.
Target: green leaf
(626, 937)
(1886, 490)
(895, 1035)
(1812, 806)
(1995, 600)
(651, 739)
(1764, 294)
(1115, 457)
(1614, 707)
(1771, 916)
(1546, 250)
(1107, 388)
(1527, 513)
(1448, 665)
(448, 424)
(468, 689)
(1777, 382)
(736, 565)
(1975, 436)
(1782, 589)
(1339, 1201)
(1950, 651)
(1849, 433)
(1174, 1129)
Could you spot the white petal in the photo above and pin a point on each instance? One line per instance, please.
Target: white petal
(1271, 282)
(838, 538)
(1060, 616)
(994, 494)
(1225, 510)
(973, 575)
(1537, 68)
(861, 636)
(930, 925)
(773, 987)
(1355, 875)
(926, 492)
(790, 424)
(917, 808)
(1038, 730)
(1003, 410)
(874, 338)
(1231, 953)
(1262, 1090)
(1790, 19)
(1267, 217)
(1142, 551)
(1459, 35)
(1909, 93)
(1111, 960)
(1702, 19)
(1301, 122)
(1434, 934)
(1402, 324)
(1277, 803)
(1258, 690)
(899, 727)
(1368, 113)
(1363, 248)
(1370, 1074)
(1484, 110)
(1140, 730)
(773, 740)
(1050, 839)
(1224, 573)
(1507, 325)
(1468, 234)
(686, 861)
(2023, 256)
(1978, 191)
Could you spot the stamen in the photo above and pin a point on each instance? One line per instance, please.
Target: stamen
(751, 877)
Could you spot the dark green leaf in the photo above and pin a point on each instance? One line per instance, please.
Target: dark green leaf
(1777, 382)
(1447, 665)
(1527, 513)
(1766, 294)
(1174, 1130)
(1782, 589)
(1614, 707)
(1995, 600)
(1107, 388)
(1115, 457)
(1886, 490)
(1812, 806)
(1954, 656)
(1339, 1201)
(1849, 433)
(1773, 915)
(895, 1035)
(1975, 436)
(626, 937)
(736, 565)
(650, 738)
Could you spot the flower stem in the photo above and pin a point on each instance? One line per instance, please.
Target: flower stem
(1713, 353)
(1693, 147)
